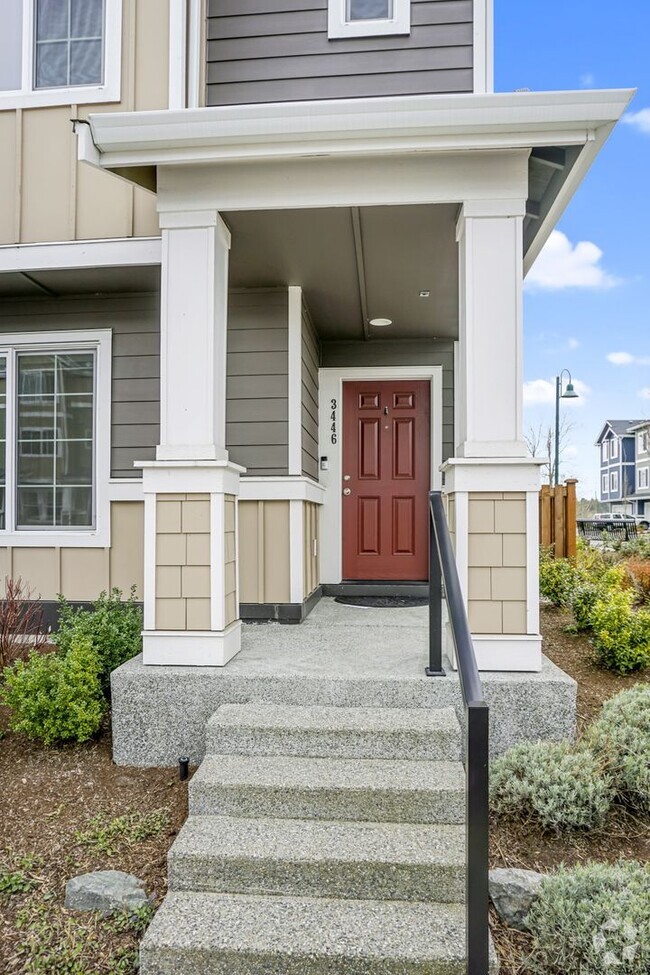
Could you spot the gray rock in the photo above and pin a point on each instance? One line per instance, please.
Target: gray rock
(513, 893)
(105, 891)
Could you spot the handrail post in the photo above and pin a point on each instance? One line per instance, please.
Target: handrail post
(435, 605)
(477, 839)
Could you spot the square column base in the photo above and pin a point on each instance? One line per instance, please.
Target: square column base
(516, 654)
(200, 648)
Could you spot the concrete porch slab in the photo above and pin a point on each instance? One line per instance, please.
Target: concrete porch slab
(340, 656)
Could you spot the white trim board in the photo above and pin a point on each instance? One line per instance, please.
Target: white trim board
(294, 392)
(280, 488)
(122, 252)
(331, 387)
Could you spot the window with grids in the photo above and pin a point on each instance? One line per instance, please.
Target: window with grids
(47, 439)
(68, 43)
(604, 484)
(644, 478)
(613, 481)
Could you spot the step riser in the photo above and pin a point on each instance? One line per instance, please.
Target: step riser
(378, 805)
(169, 962)
(344, 744)
(358, 881)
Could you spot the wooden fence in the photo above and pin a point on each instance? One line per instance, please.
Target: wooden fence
(557, 519)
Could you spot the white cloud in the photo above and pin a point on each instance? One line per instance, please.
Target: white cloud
(562, 264)
(587, 80)
(573, 344)
(640, 120)
(542, 392)
(645, 393)
(627, 359)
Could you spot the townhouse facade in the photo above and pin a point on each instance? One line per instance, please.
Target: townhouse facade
(261, 277)
(623, 447)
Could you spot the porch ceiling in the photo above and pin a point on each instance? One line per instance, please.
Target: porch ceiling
(80, 281)
(356, 264)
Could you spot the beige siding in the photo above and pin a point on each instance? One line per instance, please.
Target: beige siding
(45, 194)
(82, 573)
(312, 547)
(230, 560)
(264, 552)
(182, 572)
(497, 570)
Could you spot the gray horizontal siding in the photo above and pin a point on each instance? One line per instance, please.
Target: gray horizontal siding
(267, 50)
(257, 432)
(309, 411)
(135, 393)
(402, 353)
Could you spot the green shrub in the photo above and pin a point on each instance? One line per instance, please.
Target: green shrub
(114, 627)
(56, 697)
(621, 636)
(620, 738)
(548, 781)
(594, 584)
(592, 919)
(557, 579)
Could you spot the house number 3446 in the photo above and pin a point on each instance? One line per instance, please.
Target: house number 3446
(333, 437)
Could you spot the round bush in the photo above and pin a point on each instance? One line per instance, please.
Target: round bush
(56, 697)
(562, 789)
(557, 579)
(621, 636)
(620, 737)
(590, 920)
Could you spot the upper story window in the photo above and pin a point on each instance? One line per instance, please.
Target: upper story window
(366, 18)
(614, 449)
(643, 478)
(642, 441)
(604, 484)
(57, 52)
(604, 450)
(613, 482)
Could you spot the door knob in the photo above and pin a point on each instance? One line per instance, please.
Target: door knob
(346, 477)
(347, 491)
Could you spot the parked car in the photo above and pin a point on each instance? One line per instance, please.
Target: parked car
(643, 521)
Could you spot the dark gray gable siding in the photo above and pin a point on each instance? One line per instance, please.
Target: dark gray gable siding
(407, 352)
(278, 50)
(310, 367)
(257, 431)
(134, 320)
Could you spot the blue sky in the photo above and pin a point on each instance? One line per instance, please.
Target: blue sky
(603, 305)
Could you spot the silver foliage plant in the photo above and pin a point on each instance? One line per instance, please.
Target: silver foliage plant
(591, 920)
(620, 738)
(552, 783)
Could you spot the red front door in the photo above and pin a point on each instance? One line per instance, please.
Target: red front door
(386, 478)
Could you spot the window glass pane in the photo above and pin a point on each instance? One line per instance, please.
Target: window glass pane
(55, 443)
(51, 65)
(11, 45)
(370, 9)
(87, 18)
(86, 63)
(52, 20)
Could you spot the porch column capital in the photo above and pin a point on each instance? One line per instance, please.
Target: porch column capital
(477, 209)
(191, 219)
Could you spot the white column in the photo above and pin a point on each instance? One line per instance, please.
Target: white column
(493, 482)
(490, 353)
(193, 333)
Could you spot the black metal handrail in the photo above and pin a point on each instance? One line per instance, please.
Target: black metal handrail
(442, 569)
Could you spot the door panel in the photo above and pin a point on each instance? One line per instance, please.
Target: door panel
(386, 470)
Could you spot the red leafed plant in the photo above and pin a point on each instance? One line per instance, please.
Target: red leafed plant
(21, 622)
(639, 571)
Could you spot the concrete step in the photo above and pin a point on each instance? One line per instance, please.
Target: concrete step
(335, 732)
(309, 858)
(233, 934)
(369, 790)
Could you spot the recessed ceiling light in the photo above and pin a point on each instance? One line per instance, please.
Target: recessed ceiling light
(381, 322)
(425, 294)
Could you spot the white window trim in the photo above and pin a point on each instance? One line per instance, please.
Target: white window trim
(100, 341)
(643, 482)
(604, 450)
(29, 97)
(339, 26)
(614, 448)
(604, 484)
(613, 482)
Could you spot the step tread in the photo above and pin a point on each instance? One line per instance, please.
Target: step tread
(314, 774)
(317, 718)
(319, 841)
(227, 932)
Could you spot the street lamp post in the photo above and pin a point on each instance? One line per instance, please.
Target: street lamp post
(569, 393)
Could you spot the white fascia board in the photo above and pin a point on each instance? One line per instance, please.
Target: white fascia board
(362, 126)
(73, 255)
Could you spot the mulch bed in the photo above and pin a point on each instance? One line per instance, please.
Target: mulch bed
(525, 845)
(50, 794)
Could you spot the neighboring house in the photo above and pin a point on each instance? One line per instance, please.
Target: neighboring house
(616, 445)
(641, 433)
(343, 213)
